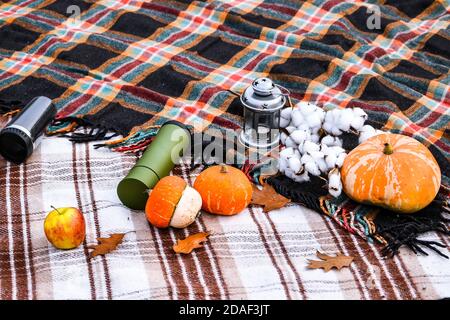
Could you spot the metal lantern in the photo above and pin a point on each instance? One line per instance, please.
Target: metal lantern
(262, 102)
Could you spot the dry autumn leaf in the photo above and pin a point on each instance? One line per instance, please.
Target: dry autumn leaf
(106, 245)
(268, 198)
(190, 243)
(329, 262)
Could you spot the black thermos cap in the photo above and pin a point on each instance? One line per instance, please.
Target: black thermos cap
(17, 139)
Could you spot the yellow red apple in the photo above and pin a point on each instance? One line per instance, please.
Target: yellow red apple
(65, 228)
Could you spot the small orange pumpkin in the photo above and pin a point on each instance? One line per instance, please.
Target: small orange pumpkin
(224, 189)
(173, 203)
(392, 171)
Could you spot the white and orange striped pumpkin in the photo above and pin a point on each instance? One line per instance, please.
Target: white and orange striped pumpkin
(392, 171)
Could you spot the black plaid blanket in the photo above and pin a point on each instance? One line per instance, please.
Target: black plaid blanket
(128, 66)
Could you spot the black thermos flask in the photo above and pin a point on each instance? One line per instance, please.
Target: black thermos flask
(18, 139)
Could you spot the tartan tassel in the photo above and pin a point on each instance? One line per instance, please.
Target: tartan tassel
(392, 229)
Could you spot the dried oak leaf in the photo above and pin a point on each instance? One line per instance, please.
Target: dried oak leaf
(106, 245)
(269, 198)
(192, 242)
(329, 262)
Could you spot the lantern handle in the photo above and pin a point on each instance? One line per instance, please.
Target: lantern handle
(287, 91)
(287, 95)
(233, 92)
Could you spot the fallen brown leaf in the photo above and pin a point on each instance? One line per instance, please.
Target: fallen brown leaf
(106, 245)
(329, 262)
(192, 242)
(269, 198)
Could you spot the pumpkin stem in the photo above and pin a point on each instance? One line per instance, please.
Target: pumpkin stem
(223, 169)
(388, 149)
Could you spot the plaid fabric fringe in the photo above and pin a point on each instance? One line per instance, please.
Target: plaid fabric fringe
(390, 229)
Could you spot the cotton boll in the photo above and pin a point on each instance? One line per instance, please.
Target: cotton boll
(369, 133)
(334, 183)
(297, 118)
(367, 128)
(335, 114)
(322, 165)
(328, 140)
(364, 136)
(323, 148)
(313, 120)
(328, 126)
(283, 137)
(359, 118)
(330, 160)
(326, 150)
(282, 165)
(336, 131)
(358, 112)
(304, 126)
(290, 143)
(357, 123)
(335, 191)
(295, 164)
(330, 121)
(329, 116)
(307, 109)
(286, 113)
(331, 141)
(301, 104)
(306, 158)
(318, 158)
(299, 136)
(287, 152)
(290, 129)
(284, 122)
(321, 114)
(315, 138)
(309, 147)
(340, 159)
(366, 132)
(316, 155)
(301, 148)
(289, 173)
(337, 150)
(312, 168)
(304, 177)
(345, 119)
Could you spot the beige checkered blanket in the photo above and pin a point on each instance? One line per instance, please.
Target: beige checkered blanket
(253, 255)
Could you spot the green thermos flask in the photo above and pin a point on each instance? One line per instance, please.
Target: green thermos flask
(158, 160)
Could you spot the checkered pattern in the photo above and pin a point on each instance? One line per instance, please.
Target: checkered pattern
(129, 65)
(253, 255)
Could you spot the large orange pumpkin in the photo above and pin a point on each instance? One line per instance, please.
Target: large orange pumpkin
(392, 171)
(225, 190)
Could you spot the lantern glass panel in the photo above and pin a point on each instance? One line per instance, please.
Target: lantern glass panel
(262, 102)
(262, 128)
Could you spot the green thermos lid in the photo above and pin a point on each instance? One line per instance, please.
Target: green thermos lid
(157, 161)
